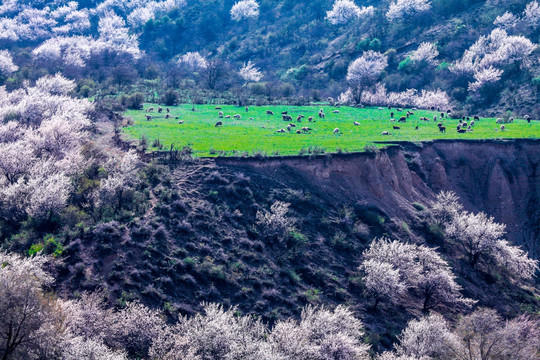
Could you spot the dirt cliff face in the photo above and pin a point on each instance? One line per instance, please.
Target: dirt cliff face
(499, 178)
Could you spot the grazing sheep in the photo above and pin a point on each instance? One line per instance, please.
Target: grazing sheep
(463, 117)
(247, 108)
(499, 121)
(298, 132)
(181, 122)
(281, 131)
(440, 124)
(396, 127)
(503, 127)
(299, 118)
(442, 129)
(392, 114)
(150, 109)
(448, 111)
(220, 114)
(399, 109)
(159, 109)
(176, 118)
(434, 117)
(511, 120)
(227, 116)
(148, 117)
(392, 120)
(356, 123)
(237, 116)
(217, 108)
(464, 124)
(414, 109)
(389, 108)
(289, 127)
(458, 127)
(292, 125)
(269, 112)
(385, 133)
(287, 117)
(469, 128)
(408, 115)
(468, 118)
(167, 116)
(442, 115)
(472, 123)
(336, 131)
(380, 108)
(219, 123)
(402, 119)
(250, 118)
(306, 129)
(416, 127)
(336, 111)
(476, 117)
(310, 119)
(302, 116)
(461, 131)
(284, 113)
(528, 118)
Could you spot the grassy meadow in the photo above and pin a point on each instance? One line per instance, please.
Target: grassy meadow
(255, 133)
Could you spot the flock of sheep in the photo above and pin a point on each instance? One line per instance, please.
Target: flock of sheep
(465, 123)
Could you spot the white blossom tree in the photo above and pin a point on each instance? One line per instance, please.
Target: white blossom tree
(392, 267)
(481, 238)
(135, 327)
(7, 67)
(365, 71)
(320, 334)
(430, 337)
(121, 175)
(425, 54)
(214, 334)
(276, 222)
(484, 77)
(250, 73)
(344, 11)
(506, 21)
(402, 9)
(76, 348)
(481, 335)
(29, 318)
(193, 61)
(532, 14)
(245, 9)
(40, 149)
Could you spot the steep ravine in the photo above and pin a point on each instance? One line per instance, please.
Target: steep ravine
(500, 178)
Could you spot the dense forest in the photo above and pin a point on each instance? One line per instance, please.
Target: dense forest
(481, 54)
(411, 251)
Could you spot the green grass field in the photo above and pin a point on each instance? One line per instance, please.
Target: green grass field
(259, 135)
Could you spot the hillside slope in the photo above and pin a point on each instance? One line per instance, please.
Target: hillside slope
(202, 242)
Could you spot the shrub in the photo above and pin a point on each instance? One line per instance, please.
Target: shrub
(134, 101)
(170, 98)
